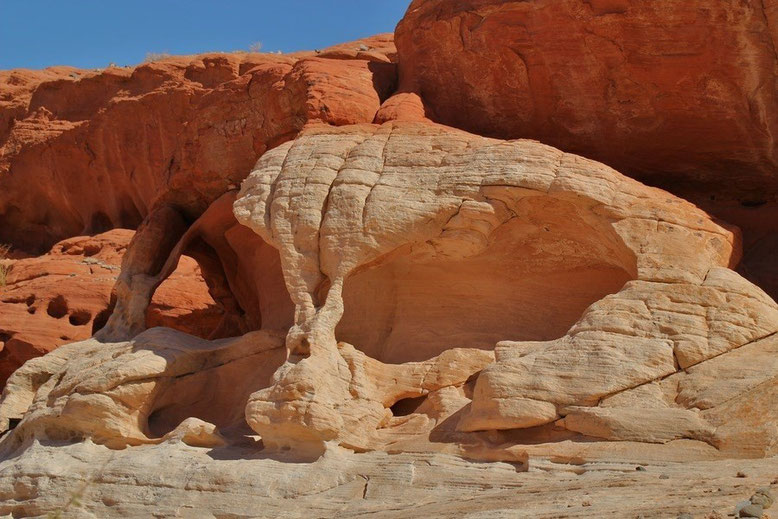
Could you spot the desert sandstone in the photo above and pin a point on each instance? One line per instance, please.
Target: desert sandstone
(486, 274)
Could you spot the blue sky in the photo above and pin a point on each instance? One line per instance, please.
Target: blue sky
(94, 33)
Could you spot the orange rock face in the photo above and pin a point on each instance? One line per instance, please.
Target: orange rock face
(84, 151)
(65, 296)
(677, 89)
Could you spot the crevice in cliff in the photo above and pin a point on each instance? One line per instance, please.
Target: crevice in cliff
(685, 370)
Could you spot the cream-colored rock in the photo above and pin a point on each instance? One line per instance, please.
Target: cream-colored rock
(353, 402)
(136, 392)
(173, 479)
(644, 333)
(197, 433)
(402, 302)
(408, 239)
(635, 424)
(729, 393)
(242, 272)
(442, 293)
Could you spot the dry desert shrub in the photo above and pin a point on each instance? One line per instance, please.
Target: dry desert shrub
(5, 267)
(151, 57)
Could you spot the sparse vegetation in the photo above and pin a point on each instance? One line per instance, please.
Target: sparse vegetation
(151, 57)
(5, 267)
(255, 47)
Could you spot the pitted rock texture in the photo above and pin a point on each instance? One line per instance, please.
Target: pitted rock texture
(65, 296)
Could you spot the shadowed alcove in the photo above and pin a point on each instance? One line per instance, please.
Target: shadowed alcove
(534, 278)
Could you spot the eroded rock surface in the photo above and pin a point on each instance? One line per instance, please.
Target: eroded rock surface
(142, 391)
(152, 147)
(174, 132)
(351, 223)
(65, 296)
(175, 479)
(675, 89)
(396, 299)
(409, 252)
(242, 272)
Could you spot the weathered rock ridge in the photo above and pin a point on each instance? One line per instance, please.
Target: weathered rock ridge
(177, 132)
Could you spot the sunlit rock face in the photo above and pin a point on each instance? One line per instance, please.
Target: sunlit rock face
(85, 151)
(677, 94)
(418, 287)
(386, 305)
(407, 240)
(678, 89)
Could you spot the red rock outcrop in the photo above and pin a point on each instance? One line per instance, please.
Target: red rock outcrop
(84, 151)
(382, 282)
(678, 89)
(65, 296)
